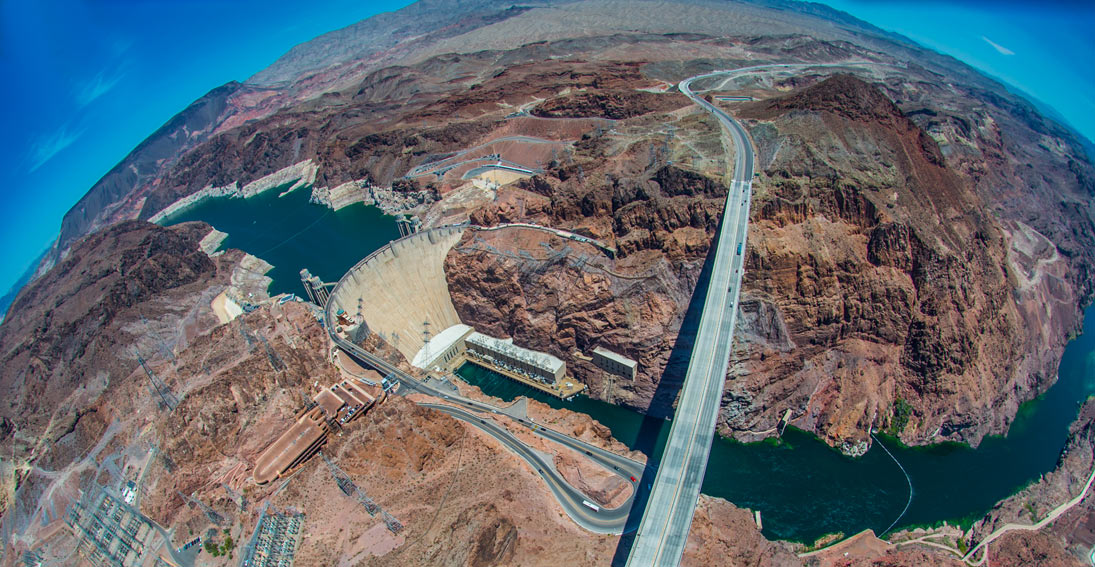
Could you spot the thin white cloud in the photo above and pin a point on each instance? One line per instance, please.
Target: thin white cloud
(1003, 50)
(96, 87)
(45, 147)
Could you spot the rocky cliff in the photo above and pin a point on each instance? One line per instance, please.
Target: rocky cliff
(884, 270)
(885, 286)
(59, 336)
(105, 202)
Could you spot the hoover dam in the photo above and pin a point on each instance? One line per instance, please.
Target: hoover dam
(400, 290)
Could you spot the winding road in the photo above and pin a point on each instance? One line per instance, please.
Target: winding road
(603, 520)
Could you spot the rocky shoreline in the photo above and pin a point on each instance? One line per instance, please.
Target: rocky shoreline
(391, 200)
(299, 175)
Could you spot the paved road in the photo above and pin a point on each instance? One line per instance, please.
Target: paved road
(556, 231)
(663, 531)
(667, 518)
(604, 520)
(431, 167)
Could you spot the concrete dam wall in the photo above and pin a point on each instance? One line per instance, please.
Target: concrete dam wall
(399, 287)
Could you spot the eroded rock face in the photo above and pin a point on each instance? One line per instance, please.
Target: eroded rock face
(561, 296)
(876, 276)
(614, 104)
(59, 335)
(1066, 540)
(722, 534)
(890, 275)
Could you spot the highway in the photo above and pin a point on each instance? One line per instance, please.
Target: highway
(604, 520)
(667, 518)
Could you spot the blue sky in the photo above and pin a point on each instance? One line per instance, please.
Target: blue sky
(1046, 48)
(88, 80)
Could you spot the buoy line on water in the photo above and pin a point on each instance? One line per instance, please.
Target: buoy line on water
(907, 479)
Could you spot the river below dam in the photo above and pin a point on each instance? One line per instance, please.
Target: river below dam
(803, 488)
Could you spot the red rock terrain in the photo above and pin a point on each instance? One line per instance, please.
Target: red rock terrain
(875, 275)
(920, 238)
(885, 273)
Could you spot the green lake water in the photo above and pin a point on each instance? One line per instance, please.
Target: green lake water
(803, 488)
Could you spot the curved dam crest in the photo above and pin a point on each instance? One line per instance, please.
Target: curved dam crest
(401, 287)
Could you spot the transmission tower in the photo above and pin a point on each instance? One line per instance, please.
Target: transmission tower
(210, 514)
(159, 340)
(167, 397)
(350, 489)
(275, 360)
(246, 335)
(236, 497)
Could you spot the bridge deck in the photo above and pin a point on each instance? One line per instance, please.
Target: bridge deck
(664, 529)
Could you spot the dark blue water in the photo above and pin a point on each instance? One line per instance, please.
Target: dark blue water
(291, 233)
(805, 489)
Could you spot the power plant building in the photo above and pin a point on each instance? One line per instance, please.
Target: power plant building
(540, 366)
(330, 409)
(443, 348)
(615, 363)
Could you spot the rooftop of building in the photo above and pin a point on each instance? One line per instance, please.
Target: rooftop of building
(616, 357)
(505, 346)
(439, 344)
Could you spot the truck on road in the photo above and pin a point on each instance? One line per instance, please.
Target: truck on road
(591, 505)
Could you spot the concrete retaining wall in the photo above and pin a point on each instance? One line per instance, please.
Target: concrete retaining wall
(400, 286)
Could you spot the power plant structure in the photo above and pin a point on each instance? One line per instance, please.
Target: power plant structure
(407, 226)
(329, 410)
(108, 531)
(314, 287)
(275, 540)
(614, 363)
